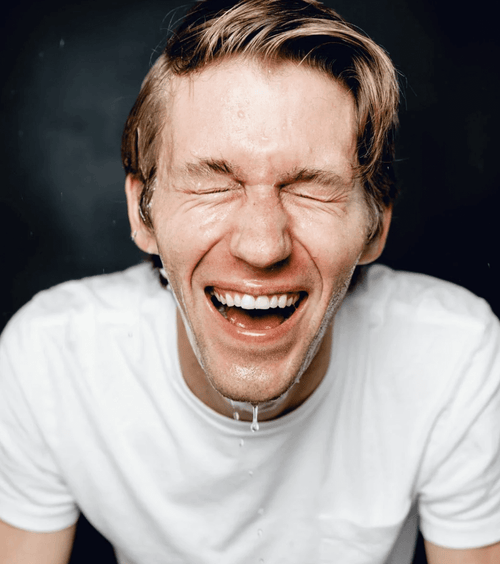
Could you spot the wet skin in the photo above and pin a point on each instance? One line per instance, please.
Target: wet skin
(256, 195)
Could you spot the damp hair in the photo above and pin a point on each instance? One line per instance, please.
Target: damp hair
(304, 32)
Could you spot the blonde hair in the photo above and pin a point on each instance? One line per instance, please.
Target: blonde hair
(300, 31)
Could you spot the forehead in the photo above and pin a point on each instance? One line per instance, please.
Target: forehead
(261, 115)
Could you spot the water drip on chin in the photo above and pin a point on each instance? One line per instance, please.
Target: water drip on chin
(255, 424)
(266, 409)
(243, 406)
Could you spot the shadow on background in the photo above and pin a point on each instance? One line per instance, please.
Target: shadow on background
(73, 70)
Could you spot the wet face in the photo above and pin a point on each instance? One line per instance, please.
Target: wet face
(259, 223)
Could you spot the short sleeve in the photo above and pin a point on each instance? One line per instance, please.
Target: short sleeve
(459, 489)
(33, 495)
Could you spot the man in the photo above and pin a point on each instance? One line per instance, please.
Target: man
(264, 408)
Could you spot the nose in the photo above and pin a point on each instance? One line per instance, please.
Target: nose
(261, 235)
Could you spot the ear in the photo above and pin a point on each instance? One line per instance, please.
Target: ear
(375, 247)
(142, 236)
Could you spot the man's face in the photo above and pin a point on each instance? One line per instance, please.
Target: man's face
(256, 207)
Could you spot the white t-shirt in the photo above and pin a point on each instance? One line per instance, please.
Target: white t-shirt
(95, 416)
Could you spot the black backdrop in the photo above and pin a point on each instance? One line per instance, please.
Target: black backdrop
(71, 72)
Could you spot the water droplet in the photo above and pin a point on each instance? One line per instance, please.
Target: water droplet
(255, 424)
(236, 416)
(242, 442)
(61, 43)
(259, 532)
(250, 473)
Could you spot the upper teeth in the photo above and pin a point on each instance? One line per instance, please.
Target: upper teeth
(246, 301)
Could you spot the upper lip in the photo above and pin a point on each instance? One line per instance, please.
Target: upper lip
(257, 289)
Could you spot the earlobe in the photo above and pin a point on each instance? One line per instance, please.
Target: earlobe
(374, 248)
(142, 236)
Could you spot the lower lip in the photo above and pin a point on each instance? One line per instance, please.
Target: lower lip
(260, 336)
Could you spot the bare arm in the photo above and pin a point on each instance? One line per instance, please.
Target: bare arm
(484, 555)
(25, 547)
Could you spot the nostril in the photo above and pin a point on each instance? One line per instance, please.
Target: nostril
(261, 245)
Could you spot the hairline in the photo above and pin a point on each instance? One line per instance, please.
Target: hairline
(174, 79)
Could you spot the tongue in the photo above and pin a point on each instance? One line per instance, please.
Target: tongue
(258, 320)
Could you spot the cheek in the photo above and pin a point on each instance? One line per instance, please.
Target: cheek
(186, 230)
(334, 243)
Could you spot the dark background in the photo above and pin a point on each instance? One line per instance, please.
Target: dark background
(71, 72)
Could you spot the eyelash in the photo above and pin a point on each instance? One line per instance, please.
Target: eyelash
(308, 197)
(220, 190)
(209, 191)
(304, 195)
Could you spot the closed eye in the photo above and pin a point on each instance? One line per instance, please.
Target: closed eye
(207, 189)
(319, 193)
(214, 190)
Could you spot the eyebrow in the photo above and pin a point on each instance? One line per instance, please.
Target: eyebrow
(324, 177)
(206, 167)
(318, 176)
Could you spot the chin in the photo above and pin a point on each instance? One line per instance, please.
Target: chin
(253, 384)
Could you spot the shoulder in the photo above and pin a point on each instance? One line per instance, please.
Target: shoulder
(75, 308)
(420, 336)
(121, 290)
(411, 298)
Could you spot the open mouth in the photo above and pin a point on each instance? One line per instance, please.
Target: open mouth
(255, 312)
